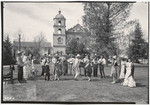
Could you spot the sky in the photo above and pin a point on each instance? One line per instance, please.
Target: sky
(30, 19)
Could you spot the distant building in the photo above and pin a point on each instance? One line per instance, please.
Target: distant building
(45, 47)
(62, 37)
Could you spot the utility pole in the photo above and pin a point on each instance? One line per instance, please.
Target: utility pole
(19, 42)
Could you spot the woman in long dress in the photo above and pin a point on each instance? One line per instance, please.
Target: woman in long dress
(129, 81)
(122, 72)
(57, 69)
(88, 68)
(25, 67)
(76, 66)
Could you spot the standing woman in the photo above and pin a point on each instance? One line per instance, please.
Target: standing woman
(57, 69)
(122, 72)
(95, 66)
(76, 66)
(70, 63)
(129, 81)
(114, 69)
(65, 66)
(88, 68)
(26, 67)
(20, 66)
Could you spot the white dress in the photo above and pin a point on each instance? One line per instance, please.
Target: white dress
(129, 81)
(122, 74)
(25, 68)
(76, 66)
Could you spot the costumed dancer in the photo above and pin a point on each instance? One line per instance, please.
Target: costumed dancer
(129, 81)
(76, 66)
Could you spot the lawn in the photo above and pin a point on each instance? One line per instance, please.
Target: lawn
(68, 90)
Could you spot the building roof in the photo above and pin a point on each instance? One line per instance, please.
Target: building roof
(78, 29)
(31, 44)
(59, 15)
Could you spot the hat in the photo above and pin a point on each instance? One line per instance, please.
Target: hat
(78, 55)
(125, 57)
(19, 52)
(114, 57)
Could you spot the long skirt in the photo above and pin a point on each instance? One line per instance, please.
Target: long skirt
(25, 72)
(129, 81)
(89, 71)
(122, 72)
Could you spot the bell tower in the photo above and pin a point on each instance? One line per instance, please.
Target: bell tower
(59, 35)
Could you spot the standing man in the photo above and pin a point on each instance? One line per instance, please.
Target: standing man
(20, 66)
(95, 66)
(43, 65)
(101, 63)
(85, 60)
(54, 60)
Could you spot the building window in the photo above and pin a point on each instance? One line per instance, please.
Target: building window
(60, 40)
(59, 31)
(59, 22)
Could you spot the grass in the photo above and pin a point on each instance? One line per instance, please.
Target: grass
(68, 90)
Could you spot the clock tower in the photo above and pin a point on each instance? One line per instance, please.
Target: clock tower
(59, 35)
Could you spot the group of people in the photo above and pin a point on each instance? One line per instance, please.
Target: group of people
(72, 66)
(26, 66)
(126, 71)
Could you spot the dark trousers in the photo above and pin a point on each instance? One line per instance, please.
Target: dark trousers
(43, 70)
(84, 72)
(47, 71)
(101, 69)
(20, 73)
(95, 66)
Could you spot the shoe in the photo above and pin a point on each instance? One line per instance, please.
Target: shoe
(113, 82)
(75, 79)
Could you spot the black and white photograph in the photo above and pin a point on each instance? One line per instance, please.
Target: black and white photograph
(77, 52)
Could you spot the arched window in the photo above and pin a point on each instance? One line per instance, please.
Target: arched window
(59, 31)
(59, 22)
(60, 40)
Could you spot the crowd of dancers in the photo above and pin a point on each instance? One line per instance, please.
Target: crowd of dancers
(72, 65)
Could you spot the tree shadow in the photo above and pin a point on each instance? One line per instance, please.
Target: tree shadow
(140, 85)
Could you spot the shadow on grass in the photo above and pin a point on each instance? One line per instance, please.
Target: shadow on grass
(140, 85)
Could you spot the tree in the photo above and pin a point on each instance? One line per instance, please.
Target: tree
(38, 42)
(7, 52)
(139, 47)
(75, 47)
(104, 20)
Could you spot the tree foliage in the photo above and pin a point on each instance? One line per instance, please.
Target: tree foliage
(138, 48)
(75, 47)
(38, 42)
(7, 52)
(104, 20)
